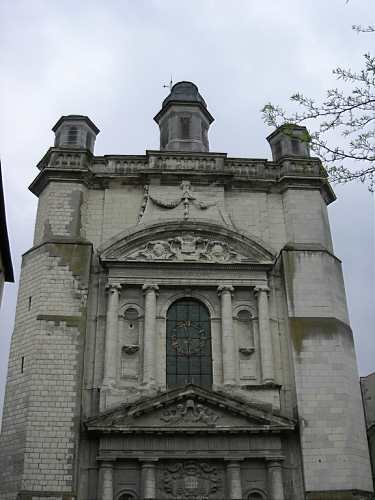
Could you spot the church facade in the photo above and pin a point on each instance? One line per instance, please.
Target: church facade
(181, 328)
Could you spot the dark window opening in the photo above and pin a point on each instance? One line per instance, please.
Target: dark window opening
(22, 363)
(278, 149)
(164, 136)
(295, 146)
(255, 496)
(29, 303)
(88, 141)
(189, 358)
(185, 128)
(72, 135)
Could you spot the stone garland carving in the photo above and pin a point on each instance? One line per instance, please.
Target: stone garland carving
(189, 412)
(187, 248)
(144, 202)
(186, 199)
(190, 480)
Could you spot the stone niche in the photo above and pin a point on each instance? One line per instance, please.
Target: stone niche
(130, 336)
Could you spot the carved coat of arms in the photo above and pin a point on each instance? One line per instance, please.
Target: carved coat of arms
(190, 480)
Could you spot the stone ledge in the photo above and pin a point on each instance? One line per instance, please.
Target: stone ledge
(339, 495)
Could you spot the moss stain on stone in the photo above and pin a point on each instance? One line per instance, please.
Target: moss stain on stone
(290, 270)
(301, 328)
(77, 257)
(296, 331)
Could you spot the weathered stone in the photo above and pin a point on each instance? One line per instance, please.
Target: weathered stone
(246, 386)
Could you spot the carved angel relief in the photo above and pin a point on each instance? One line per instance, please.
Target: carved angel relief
(189, 412)
(187, 248)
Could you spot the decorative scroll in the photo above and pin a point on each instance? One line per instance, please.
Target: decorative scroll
(190, 480)
(189, 412)
(188, 248)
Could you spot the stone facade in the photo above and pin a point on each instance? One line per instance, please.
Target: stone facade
(368, 397)
(142, 265)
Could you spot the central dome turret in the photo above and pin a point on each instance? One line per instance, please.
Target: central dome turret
(184, 119)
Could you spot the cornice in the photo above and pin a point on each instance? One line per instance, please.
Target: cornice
(260, 174)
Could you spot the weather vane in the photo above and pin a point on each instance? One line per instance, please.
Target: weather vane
(169, 85)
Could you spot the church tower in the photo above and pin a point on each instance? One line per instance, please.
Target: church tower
(181, 329)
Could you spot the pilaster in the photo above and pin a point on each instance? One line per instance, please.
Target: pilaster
(149, 348)
(229, 364)
(111, 335)
(266, 348)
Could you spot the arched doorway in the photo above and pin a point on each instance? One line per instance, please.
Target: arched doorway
(189, 358)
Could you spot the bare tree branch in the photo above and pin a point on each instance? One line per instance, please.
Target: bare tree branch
(348, 113)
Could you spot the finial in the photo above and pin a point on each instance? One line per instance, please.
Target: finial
(170, 85)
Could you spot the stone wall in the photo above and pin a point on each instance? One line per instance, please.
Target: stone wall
(42, 405)
(59, 211)
(334, 446)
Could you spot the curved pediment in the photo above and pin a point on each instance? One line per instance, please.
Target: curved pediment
(189, 408)
(186, 241)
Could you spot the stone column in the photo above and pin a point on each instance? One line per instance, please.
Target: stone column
(234, 480)
(266, 349)
(111, 335)
(275, 479)
(148, 477)
(106, 469)
(149, 343)
(227, 338)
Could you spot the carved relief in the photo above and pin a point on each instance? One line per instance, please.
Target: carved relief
(189, 412)
(188, 248)
(186, 199)
(190, 480)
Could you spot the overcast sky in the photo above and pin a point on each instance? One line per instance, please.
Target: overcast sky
(110, 59)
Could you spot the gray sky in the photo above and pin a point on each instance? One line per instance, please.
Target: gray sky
(109, 60)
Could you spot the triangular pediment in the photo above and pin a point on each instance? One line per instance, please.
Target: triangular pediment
(186, 241)
(190, 408)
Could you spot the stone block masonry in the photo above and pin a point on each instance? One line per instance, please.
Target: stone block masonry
(39, 439)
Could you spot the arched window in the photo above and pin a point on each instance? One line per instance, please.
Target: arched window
(189, 359)
(256, 495)
(127, 496)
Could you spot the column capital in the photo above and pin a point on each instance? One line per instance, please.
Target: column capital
(261, 288)
(221, 289)
(113, 287)
(148, 462)
(149, 287)
(106, 465)
(233, 462)
(274, 462)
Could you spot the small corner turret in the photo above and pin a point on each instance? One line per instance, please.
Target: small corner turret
(289, 140)
(75, 131)
(184, 120)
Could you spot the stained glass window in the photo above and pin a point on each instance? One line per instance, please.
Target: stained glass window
(189, 359)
